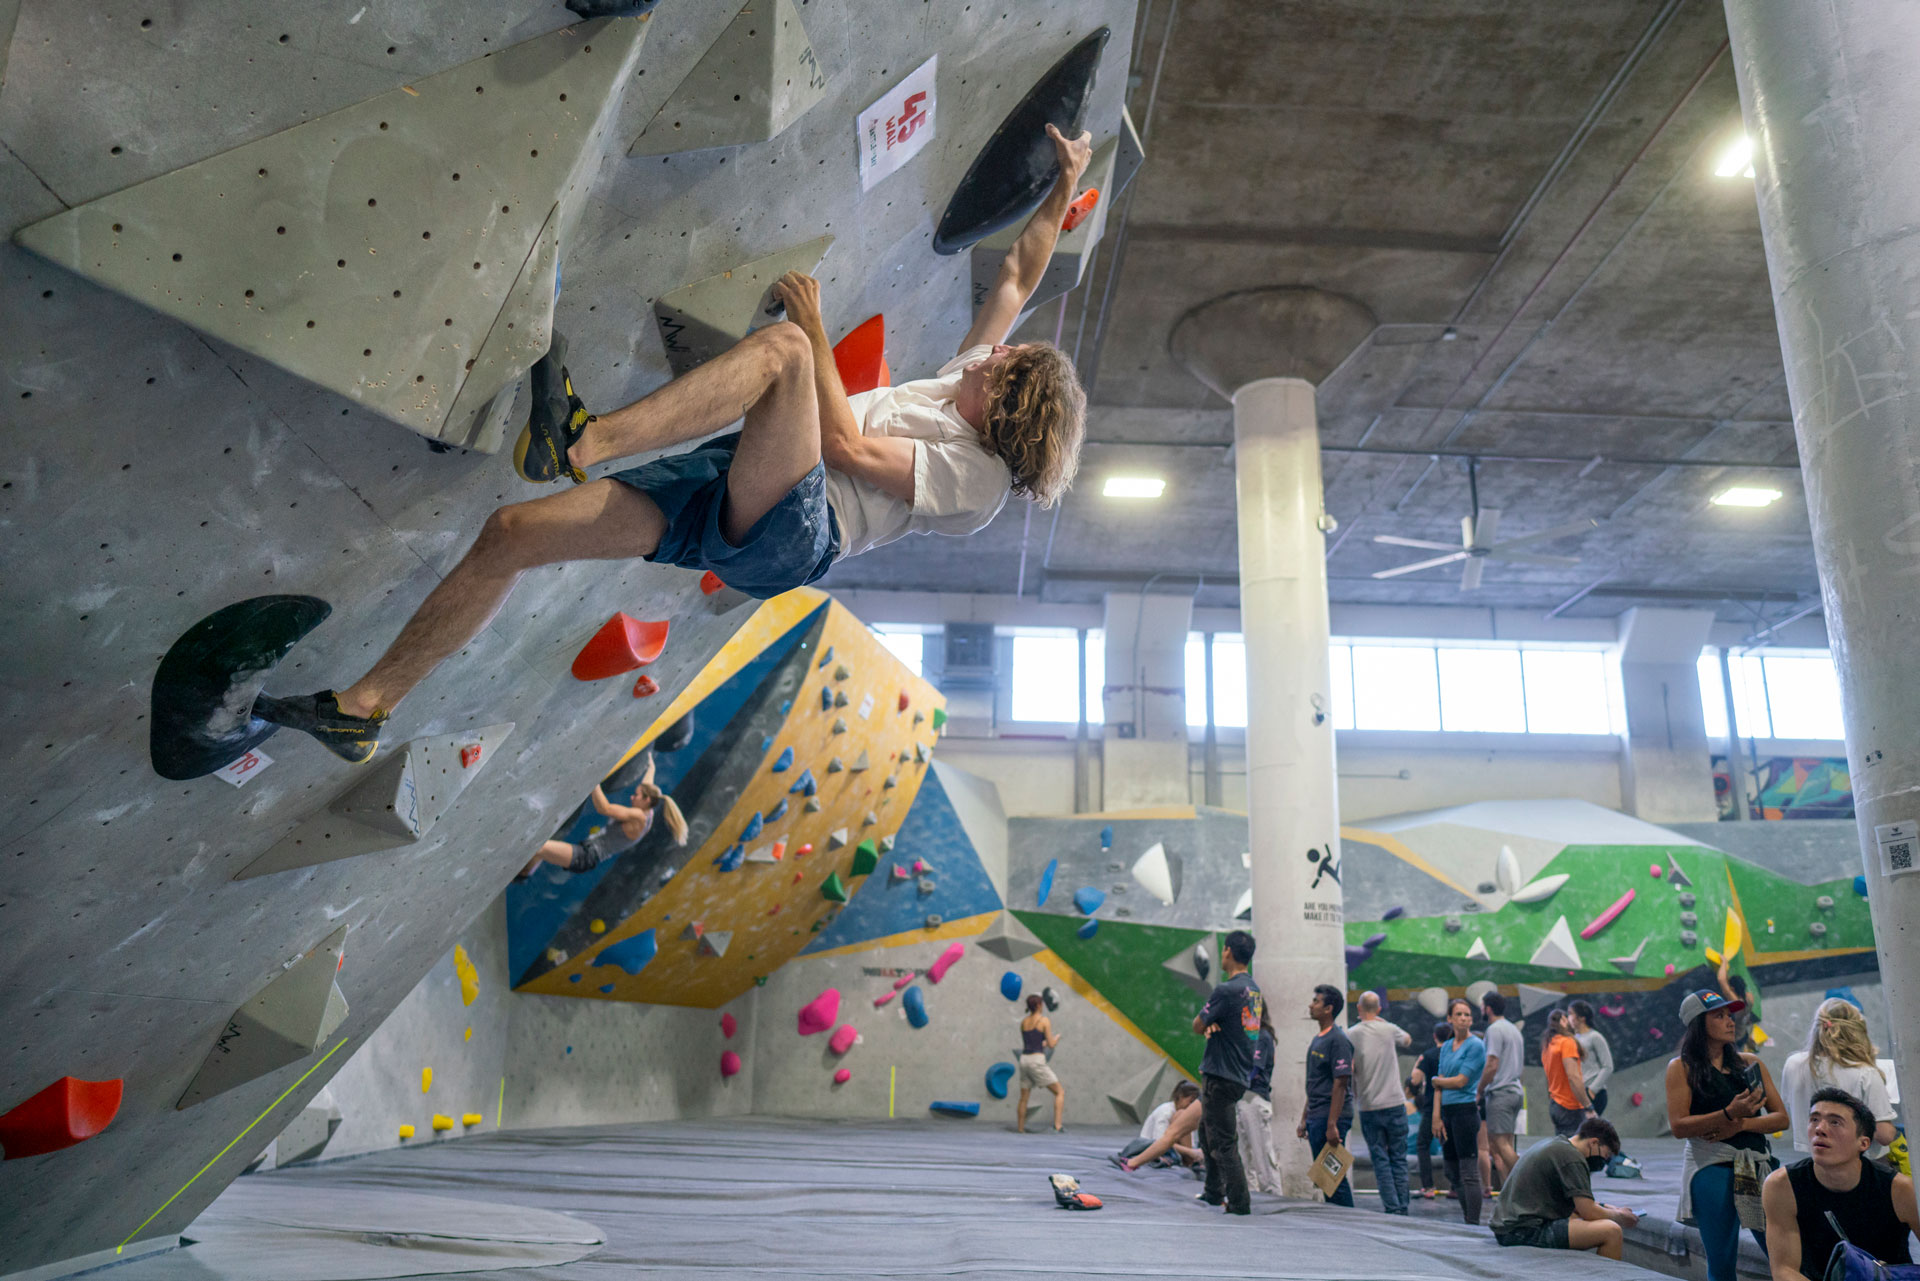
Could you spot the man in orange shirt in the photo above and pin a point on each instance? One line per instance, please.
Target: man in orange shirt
(1567, 1099)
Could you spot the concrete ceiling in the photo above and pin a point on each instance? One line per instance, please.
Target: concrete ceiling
(1524, 196)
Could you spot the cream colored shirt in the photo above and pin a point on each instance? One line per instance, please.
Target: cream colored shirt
(958, 487)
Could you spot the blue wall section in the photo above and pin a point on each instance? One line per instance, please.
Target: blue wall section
(885, 905)
(538, 907)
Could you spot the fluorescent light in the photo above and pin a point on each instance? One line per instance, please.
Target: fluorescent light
(1134, 487)
(1742, 496)
(1737, 160)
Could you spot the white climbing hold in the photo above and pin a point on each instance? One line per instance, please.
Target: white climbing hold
(836, 838)
(1433, 1000)
(860, 763)
(1538, 998)
(1157, 874)
(1243, 906)
(1541, 890)
(1478, 952)
(1506, 871)
(1558, 949)
(1627, 963)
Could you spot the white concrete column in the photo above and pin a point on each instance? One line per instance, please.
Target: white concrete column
(1292, 807)
(1831, 91)
(1144, 749)
(1666, 771)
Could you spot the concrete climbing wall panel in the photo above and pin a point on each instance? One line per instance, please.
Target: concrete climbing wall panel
(315, 248)
(757, 78)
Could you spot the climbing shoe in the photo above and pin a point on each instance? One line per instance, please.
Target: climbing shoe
(353, 739)
(555, 422)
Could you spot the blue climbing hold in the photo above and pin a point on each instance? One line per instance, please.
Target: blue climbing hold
(1860, 886)
(630, 954)
(954, 1109)
(1106, 837)
(786, 707)
(1046, 882)
(732, 859)
(1357, 955)
(778, 812)
(826, 699)
(575, 978)
(1089, 928)
(914, 1002)
(766, 744)
(804, 785)
(1088, 899)
(824, 659)
(1393, 913)
(1845, 994)
(997, 1077)
(752, 828)
(1010, 985)
(604, 988)
(785, 762)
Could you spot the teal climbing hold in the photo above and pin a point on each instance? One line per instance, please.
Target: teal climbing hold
(785, 762)
(997, 1077)
(1010, 985)
(1088, 899)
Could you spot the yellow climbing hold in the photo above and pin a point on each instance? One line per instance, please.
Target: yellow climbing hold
(1731, 946)
(469, 977)
(471, 1118)
(426, 1079)
(469, 1034)
(406, 1131)
(597, 925)
(1760, 1036)
(1713, 957)
(441, 1124)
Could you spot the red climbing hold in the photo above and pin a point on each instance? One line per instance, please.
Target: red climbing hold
(469, 756)
(903, 700)
(1082, 205)
(728, 1024)
(67, 1112)
(861, 357)
(622, 645)
(804, 849)
(646, 687)
(710, 583)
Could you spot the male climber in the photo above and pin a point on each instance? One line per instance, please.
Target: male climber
(811, 476)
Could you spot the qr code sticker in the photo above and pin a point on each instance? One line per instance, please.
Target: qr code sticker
(1900, 856)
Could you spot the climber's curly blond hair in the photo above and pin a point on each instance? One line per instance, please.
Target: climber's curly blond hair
(1036, 418)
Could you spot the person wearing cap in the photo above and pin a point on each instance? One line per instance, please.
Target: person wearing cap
(1872, 1205)
(1724, 1104)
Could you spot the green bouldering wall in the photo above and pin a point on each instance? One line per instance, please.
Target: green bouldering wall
(1123, 964)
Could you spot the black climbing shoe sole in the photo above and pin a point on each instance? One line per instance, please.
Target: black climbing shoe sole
(555, 422)
(353, 739)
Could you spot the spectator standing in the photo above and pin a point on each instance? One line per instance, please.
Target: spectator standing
(1329, 1108)
(1873, 1205)
(1230, 1021)
(1255, 1116)
(1548, 1202)
(1723, 1103)
(1839, 1053)
(1501, 1094)
(1566, 1082)
(1383, 1104)
(1596, 1056)
(1463, 1060)
(1421, 1081)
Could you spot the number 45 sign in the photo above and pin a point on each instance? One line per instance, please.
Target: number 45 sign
(892, 130)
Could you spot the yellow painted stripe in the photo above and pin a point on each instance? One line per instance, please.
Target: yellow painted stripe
(1155, 811)
(1086, 991)
(223, 1151)
(964, 927)
(1399, 849)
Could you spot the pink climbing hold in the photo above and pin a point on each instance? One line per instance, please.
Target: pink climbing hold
(729, 1064)
(1612, 1011)
(1607, 917)
(1637, 1099)
(884, 997)
(902, 981)
(843, 1038)
(1669, 969)
(921, 867)
(946, 962)
(728, 1024)
(1655, 870)
(1656, 1034)
(843, 1076)
(818, 1014)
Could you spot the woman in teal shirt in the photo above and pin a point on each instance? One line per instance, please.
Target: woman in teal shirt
(1456, 1106)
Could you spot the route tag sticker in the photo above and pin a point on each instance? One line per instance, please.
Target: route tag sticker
(894, 129)
(1898, 843)
(866, 707)
(245, 768)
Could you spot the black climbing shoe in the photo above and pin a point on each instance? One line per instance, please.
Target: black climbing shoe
(353, 739)
(556, 421)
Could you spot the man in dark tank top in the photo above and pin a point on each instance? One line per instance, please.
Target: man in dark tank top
(1873, 1206)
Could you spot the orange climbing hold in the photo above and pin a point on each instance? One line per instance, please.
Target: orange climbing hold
(646, 687)
(622, 645)
(861, 357)
(469, 756)
(1082, 206)
(710, 583)
(904, 704)
(67, 1112)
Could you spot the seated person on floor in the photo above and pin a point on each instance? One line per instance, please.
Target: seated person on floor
(1181, 1153)
(1181, 1132)
(626, 825)
(1548, 1198)
(1874, 1206)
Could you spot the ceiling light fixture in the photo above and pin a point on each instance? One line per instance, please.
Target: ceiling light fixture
(1737, 160)
(1134, 487)
(1743, 496)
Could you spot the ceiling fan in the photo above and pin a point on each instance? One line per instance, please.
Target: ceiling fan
(1477, 545)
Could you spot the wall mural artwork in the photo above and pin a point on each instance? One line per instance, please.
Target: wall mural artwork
(1788, 787)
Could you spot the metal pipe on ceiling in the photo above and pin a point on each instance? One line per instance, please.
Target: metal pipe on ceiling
(1585, 461)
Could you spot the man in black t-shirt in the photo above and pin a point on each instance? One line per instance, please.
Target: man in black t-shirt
(1875, 1207)
(1230, 1021)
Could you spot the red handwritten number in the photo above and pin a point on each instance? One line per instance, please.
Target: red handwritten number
(911, 117)
(244, 764)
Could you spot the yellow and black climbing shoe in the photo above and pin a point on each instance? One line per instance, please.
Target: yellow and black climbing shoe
(556, 421)
(353, 739)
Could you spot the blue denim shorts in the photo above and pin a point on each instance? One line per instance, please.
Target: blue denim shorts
(791, 546)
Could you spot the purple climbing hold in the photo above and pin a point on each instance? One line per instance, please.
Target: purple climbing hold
(1393, 913)
(1357, 955)
(1373, 940)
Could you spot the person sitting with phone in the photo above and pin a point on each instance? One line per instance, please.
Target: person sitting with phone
(1548, 1198)
(1872, 1206)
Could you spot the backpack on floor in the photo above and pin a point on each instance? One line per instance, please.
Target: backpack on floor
(1850, 1263)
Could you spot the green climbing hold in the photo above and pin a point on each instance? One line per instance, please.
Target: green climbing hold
(866, 857)
(759, 980)
(833, 889)
(939, 717)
